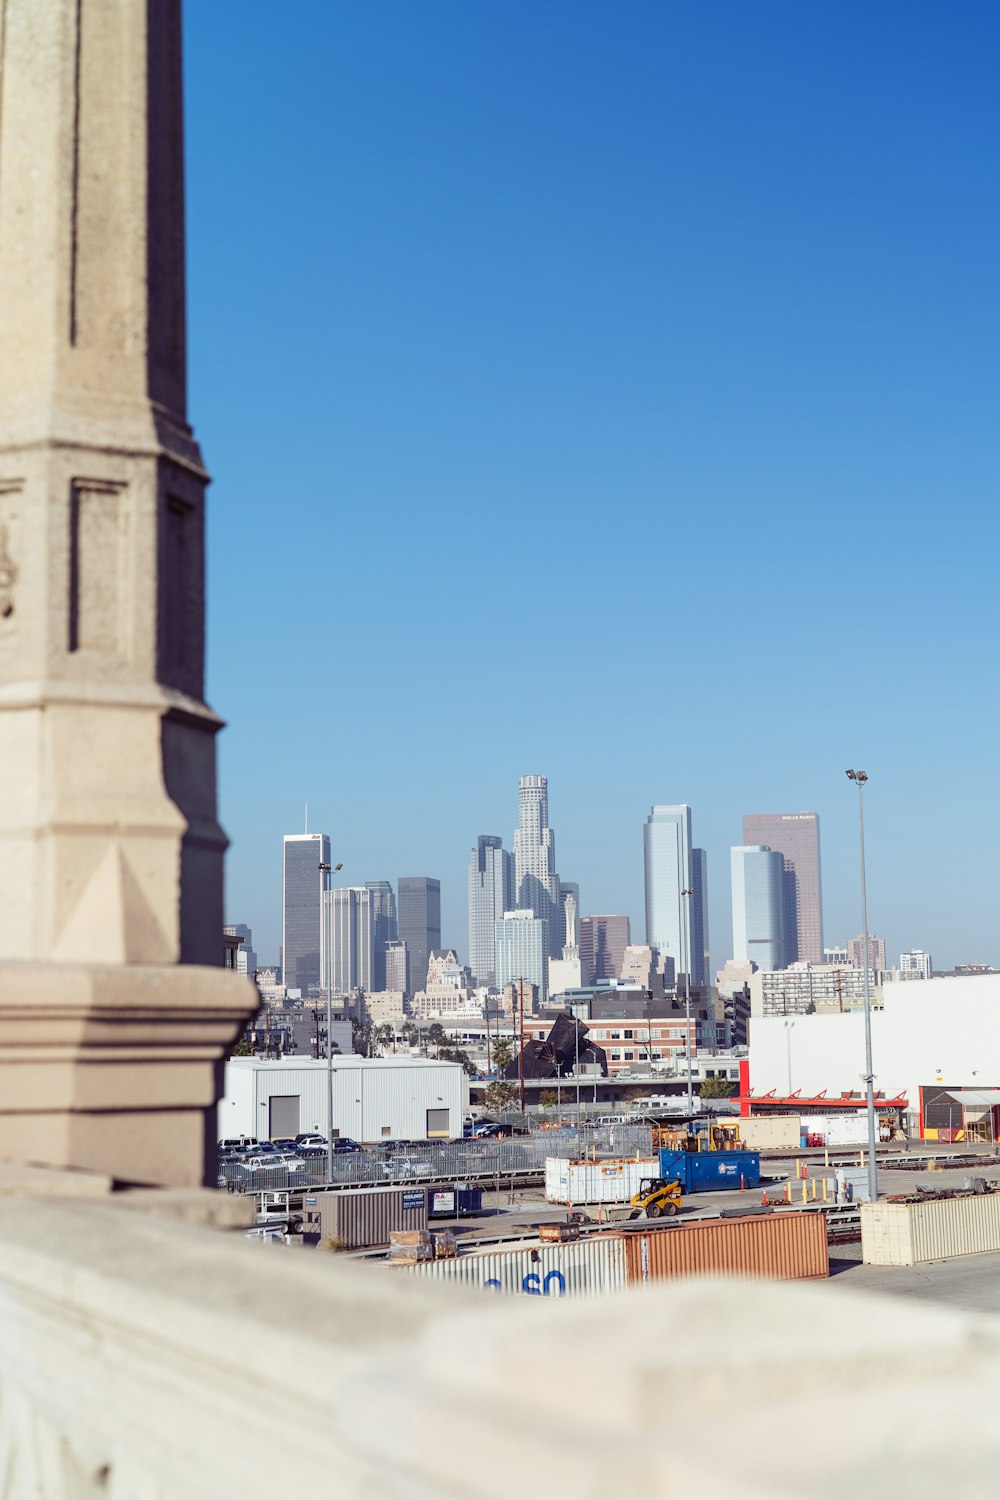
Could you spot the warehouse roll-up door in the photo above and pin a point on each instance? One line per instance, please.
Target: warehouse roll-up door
(438, 1124)
(283, 1115)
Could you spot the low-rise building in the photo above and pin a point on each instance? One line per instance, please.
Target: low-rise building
(374, 1099)
(935, 1041)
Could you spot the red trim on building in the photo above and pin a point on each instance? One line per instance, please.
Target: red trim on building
(744, 1088)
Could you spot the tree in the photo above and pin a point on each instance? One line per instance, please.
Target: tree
(437, 1036)
(361, 1036)
(385, 1035)
(502, 1052)
(716, 1088)
(548, 1098)
(499, 1096)
(243, 1049)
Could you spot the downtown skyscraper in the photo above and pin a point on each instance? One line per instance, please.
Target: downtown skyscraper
(535, 880)
(303, 883)
(384, 928)
(419, 922)
(349, 939)
(758, 905)
(676, 882)
(491, 893)
(796, 838)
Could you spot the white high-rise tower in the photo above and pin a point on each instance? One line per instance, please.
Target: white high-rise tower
(535, 878)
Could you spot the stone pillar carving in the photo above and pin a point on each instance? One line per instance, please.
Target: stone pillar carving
(110, 850)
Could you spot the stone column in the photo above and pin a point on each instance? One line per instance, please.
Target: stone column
(110, 852)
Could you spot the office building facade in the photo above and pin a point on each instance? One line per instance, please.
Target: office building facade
(758, 906)
(700, 959)
(349, 940)
(535, 880)
(915, 965)
(603, 940)
(397, 967)
(303, 884)
(245, 957)
(522, 943)
(876, 952)
(384, 927)
(795, 836)
(669, 873)
(418, 917)
(491, 893)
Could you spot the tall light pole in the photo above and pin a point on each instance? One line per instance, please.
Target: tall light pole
(685, 922)
(859, 778)
(326, 869)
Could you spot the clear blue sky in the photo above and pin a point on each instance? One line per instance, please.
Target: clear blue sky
(608, 391)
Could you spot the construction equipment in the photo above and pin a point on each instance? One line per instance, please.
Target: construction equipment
(657, 1196)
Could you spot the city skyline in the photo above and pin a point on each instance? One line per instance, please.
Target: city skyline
(719, 889)
(793, 341)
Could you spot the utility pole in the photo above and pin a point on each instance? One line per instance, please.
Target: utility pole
(329, 1029)
(520, 1052)
(859, 778)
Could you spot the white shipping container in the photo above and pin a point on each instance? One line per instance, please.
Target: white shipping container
(838, 1130)
(592, 1267)
(909, 1234)
(595, 1181)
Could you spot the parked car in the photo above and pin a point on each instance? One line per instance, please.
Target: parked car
(406, 1168)
(272, 1161)
(309, 1138)
(238, 1143)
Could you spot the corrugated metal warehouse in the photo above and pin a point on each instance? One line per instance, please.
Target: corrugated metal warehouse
(374, 1099)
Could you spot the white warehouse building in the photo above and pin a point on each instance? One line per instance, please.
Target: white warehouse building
(936, 1041)
(374, 1099)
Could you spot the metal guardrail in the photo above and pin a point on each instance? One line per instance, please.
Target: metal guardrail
(425, 1162)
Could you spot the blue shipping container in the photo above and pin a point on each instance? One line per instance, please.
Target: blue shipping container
(711, 1171)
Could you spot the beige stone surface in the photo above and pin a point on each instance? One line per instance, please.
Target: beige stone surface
(177, 1362)
(110, 850)
(207, 1207)
(18, 1179)
(116, 1068)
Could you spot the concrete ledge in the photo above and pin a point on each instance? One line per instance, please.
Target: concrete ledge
(205, 1206)
(25, 1180)
(116, 1069)
(139, 1350)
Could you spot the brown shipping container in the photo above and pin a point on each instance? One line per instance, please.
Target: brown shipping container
(781, 1246)
(366, 1217)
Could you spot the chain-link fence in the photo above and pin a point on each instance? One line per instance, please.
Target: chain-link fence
(418, 1162)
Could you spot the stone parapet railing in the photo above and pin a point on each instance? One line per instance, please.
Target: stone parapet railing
(143, 1358)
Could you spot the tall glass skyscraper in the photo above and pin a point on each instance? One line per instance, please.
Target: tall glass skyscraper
(302, 887)
(419, 921)
(758, 905)
(384, 927)
(348, 939)
(535, 878)
(522, 951)
(701, 966)
(795, 836)
(603, 941)
(491, 893)
(667, 857)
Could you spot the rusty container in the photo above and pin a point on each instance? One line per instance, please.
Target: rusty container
(780, 1247)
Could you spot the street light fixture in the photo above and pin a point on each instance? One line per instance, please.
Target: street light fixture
(860, 778)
